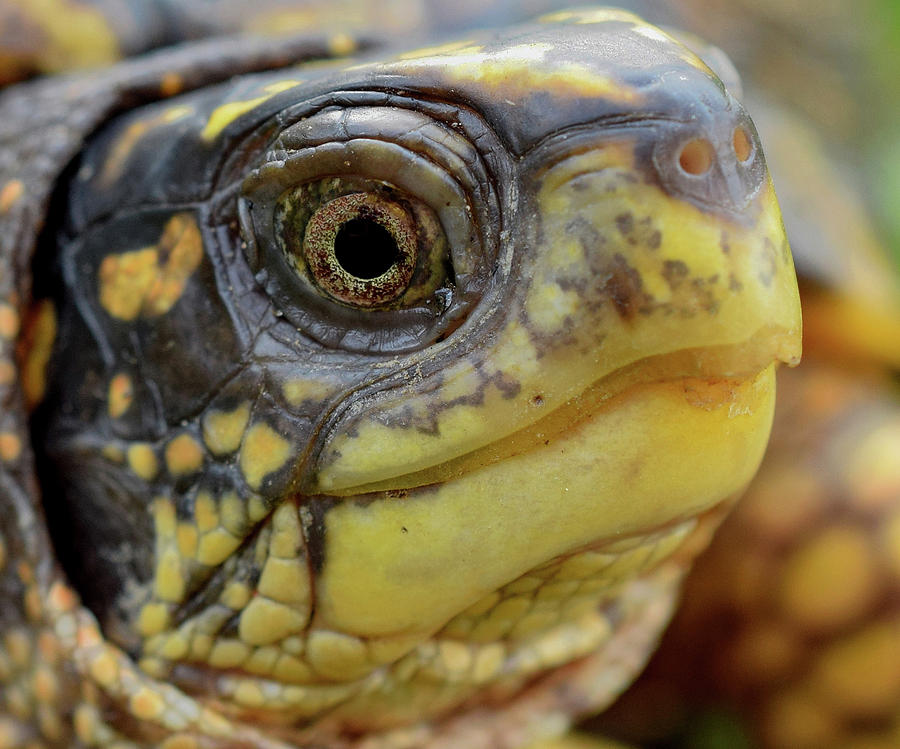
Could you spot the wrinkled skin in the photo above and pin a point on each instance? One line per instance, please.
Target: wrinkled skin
(296, 510)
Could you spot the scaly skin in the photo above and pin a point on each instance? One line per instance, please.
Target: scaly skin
(455, 518)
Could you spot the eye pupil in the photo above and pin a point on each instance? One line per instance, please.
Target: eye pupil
(365, 249)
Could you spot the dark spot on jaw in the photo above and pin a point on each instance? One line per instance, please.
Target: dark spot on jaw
(537, 400)
(734, 284)
(403, 529)
(654, 241)
(723, 243)
(625, 288)
(508, 387)
(674, 271)
(768, 266)
(625, 223)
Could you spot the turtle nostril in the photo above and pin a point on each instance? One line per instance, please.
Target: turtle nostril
(743, 146)
(696, 157)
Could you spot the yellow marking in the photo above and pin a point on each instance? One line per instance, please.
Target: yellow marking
(86, 722)
(589, 16)
(488, 662)
(263, 452)
(248, 693)
(337, 656)
(285, 580)
(440, 50)
(236, 596)
(287, 537)
(297, 392)
(153, 619)
(169, 582)
(148, 282)
(186, 537)
(228, 654)
(142, 460)
(550, 306)
(105, 669)
(455, 656)
(37, 345)
(131, 136)
(146, 704)
(519, 70)
(263, 660)
(10, 193)
(164, 518)
(225, 114)
(293, 670)
(201, 646)
(9, 322)
(121, 395)
(216, 546)
(205, 512)
(175, 647)
(256, 508)
(10, 446)
(223, 430)
(184, 455)
(232, 511)
(264, 622)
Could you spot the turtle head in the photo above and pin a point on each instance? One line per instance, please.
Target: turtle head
(414, 366)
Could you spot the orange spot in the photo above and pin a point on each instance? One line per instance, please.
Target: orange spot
(171, 84)
(148, 282)
(88, 637)
(49, 647)
(125, 143)
(9, 322)
(146, 704)
(696, 156)
(184, 455)
(45, 685)
(743, 146)
(10, 446)
(61, 598)
(34, 350)
(10, 193)
(121, 395)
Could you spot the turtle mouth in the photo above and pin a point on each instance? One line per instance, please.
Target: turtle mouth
(709, 376)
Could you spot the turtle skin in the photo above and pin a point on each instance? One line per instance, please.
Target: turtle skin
(282, 492)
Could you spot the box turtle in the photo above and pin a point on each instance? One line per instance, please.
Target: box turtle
(358, 390)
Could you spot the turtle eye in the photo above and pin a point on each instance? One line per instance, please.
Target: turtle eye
(361, 249)
(362, 243)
